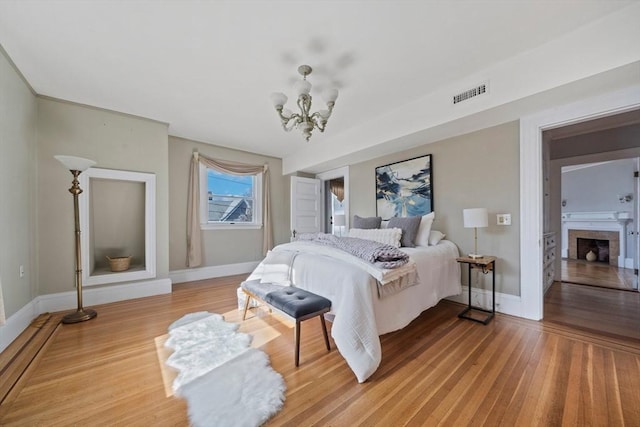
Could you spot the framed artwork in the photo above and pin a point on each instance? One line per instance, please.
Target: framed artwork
(405, 188)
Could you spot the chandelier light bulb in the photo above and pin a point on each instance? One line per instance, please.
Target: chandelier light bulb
(278, 99)
(303, 87)
(330, 95)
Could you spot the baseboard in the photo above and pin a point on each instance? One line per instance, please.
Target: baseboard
(202, 273)
(16, 324)
(104, 295)
(505, 303)
(628, 263)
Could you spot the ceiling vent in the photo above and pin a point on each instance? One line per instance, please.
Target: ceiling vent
(481, 89)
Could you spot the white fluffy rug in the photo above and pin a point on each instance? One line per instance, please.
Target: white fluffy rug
(223, 380)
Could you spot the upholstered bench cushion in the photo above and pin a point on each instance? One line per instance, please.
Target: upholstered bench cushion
(260, 289)
(296, 302)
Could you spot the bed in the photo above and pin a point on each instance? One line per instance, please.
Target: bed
(359, 312)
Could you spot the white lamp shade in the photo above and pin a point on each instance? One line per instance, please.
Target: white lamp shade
(330, 95)
(75, 163)
(278, 99)
(475, 218)
(303, 87)
(339, 220)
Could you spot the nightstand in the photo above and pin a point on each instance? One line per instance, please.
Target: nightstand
(486, 264)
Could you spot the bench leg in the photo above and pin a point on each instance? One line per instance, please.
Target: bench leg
(247, 300)
(324, 331)
(297, 342)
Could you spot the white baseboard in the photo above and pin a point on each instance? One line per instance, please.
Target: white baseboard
(61, 301)
(104, 295)
(202, 273)
(628, 263)
(16, 324)
(505, 303)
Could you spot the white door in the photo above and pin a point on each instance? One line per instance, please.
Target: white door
(306, 205)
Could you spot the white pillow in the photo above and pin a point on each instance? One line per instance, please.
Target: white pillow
(435, 237)
(422, 238)
(387, 236)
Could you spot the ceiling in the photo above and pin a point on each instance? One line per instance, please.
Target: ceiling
(207, 67)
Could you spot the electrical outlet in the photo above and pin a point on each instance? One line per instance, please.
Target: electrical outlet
(22, 271)
(504, 219)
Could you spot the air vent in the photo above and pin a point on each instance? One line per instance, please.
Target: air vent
(471, 93)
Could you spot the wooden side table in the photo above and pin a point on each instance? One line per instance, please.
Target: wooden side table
(486, 264)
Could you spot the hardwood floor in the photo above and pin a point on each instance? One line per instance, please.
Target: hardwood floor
(439, 370)
(597, 274)
(609, 312)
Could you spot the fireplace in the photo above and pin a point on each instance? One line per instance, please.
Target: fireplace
(605, 244)
(599, 247)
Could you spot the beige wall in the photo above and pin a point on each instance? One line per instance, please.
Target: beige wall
(18, 171)
(114, 141)
(479, 169)
(221, 247)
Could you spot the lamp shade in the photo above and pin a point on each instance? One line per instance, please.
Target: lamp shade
(339, 220)
(278, 99)
(475, 218)
(75, 163)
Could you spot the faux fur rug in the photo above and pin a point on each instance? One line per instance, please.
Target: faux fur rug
(223, 380)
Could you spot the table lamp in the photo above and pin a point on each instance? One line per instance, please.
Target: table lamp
(475, 218)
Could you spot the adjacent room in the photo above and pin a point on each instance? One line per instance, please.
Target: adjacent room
(319, 213)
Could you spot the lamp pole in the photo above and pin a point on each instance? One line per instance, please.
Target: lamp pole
(77, 165)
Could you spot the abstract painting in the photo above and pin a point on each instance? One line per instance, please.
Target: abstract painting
(404, 188)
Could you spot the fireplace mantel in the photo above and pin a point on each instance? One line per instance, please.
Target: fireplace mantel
(596, 221)
(620, 217)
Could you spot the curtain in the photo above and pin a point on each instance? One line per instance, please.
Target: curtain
(337, 188)
(194, 237)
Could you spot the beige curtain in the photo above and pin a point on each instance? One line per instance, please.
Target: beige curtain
(194, 237)
(337, 188)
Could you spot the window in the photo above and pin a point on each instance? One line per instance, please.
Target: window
(230, 201)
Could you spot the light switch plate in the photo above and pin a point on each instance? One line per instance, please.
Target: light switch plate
(504, 219)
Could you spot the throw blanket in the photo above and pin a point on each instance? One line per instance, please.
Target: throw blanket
(380, 255)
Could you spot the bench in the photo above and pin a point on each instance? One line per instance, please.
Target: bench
(294, 302)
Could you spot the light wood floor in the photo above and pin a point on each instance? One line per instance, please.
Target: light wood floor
(597, 274)
(439, 370)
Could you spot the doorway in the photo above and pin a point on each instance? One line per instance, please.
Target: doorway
(598, 236)
(335, 206)
(591, 202)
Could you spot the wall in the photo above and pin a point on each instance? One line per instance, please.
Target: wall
(479, 169)
(18, 173)
(221, 247)
(114, 141)
(596, 188)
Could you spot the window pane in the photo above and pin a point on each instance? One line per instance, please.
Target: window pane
(230, 197)
(222, 184)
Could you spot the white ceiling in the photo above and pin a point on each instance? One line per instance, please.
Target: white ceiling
(207, 67)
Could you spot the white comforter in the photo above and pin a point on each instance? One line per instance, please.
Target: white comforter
(360, 316)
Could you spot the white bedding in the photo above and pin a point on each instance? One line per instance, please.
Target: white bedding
(360, 316)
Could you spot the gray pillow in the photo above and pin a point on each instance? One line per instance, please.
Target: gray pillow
(409, 226)
(366, 223)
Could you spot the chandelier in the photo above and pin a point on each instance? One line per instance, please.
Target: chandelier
(304, 120)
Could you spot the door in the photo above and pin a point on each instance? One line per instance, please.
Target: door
(306, 205)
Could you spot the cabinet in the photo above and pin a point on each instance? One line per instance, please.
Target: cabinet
(549, 259)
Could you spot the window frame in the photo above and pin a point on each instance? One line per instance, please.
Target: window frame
(205, 224)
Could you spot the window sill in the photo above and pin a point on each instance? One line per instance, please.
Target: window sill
(230, 226)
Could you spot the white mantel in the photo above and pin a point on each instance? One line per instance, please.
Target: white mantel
(597, 221)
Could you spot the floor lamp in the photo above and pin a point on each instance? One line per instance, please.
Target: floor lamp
(475, 218)
(77, 165)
